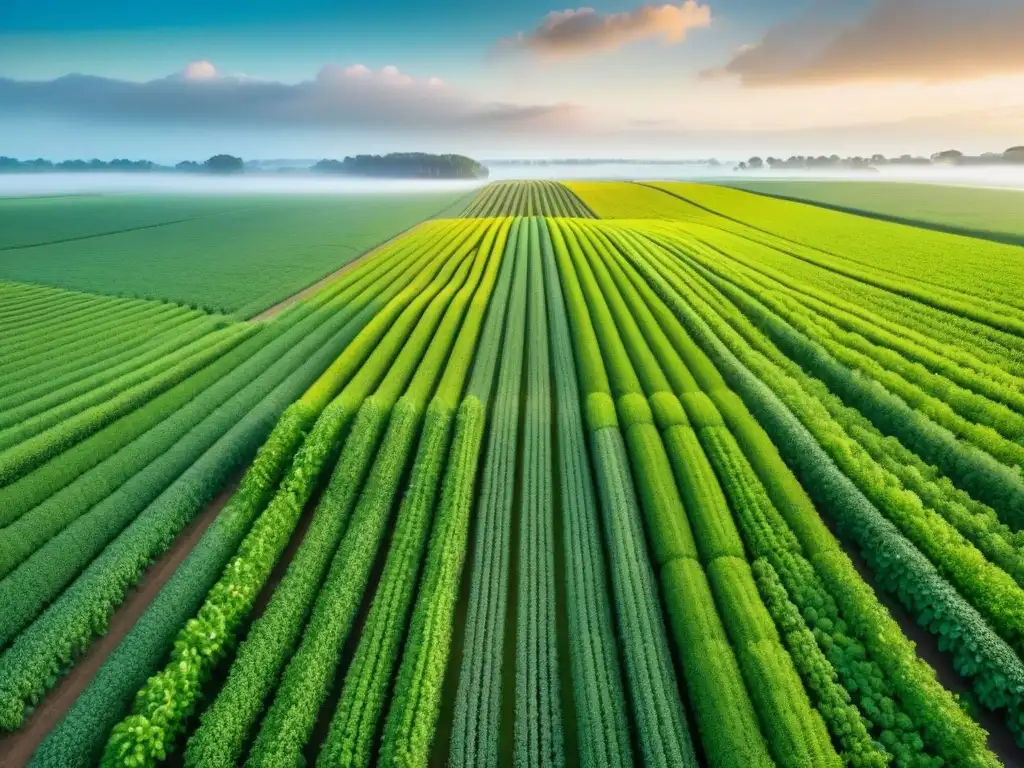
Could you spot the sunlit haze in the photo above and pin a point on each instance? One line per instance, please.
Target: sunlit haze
(699, 78)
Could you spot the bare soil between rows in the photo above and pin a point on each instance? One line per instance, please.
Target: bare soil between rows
(16, 749)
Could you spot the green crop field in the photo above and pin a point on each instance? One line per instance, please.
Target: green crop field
(231, 255)
(538, 198)
(27, 221)
(715, 479)
(990, 213)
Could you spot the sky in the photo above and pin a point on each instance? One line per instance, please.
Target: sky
(326, 78)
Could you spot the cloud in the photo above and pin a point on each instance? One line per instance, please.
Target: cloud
(584, 31)
(338, 97)
(928, 41)
(357, 70)
(199, 70)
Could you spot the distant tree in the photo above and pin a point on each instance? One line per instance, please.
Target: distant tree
(755, 163)
(947, 156)
(131, 166)
(1014, 154)
(328, 166)
(188, 166)
(409, 165)
(918, 161)
(224, 164)
(878, 159)
(742, 166)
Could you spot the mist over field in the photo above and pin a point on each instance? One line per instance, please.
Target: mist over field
(988, 176)
(43, 184)
(1003, 177)
(48, 184)
(40, 184)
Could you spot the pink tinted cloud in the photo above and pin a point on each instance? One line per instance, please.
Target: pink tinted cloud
(894, 40)
(584, 31)
(199, 70)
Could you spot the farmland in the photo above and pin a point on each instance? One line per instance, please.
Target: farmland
(597, 473)
(988, 213)
(538, 198)
(233, 255)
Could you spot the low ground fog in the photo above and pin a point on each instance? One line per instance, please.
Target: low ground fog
(33, 184)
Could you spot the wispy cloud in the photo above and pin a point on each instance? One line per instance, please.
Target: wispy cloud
(338, 97)
(894, 40)
(584, 31)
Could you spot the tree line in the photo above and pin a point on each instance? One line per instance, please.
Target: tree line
(418, 165)
(406, 165)
(1013, 155)
(215, 164)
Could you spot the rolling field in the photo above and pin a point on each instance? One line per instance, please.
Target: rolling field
(235, 255)
(988, 213)
(714, 480)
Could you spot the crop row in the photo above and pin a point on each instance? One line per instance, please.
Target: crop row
(869, 332)
(792, 240)
(538, 711)
(708, 563)
(417, 699)
(242, 409)
(539, 490)
(957, 268)
(977, 459)
(744, 495)
(598, 693)
(231, 599)
(526, 198)
(657, 709)
(939, 730)
(476, 732)
(255, 672)
(63, 488)
(960, 514)
(308, 677)
(350, 740)
(932, 530)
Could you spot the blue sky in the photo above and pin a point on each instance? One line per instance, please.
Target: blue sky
(743, 70)
(289, 41)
